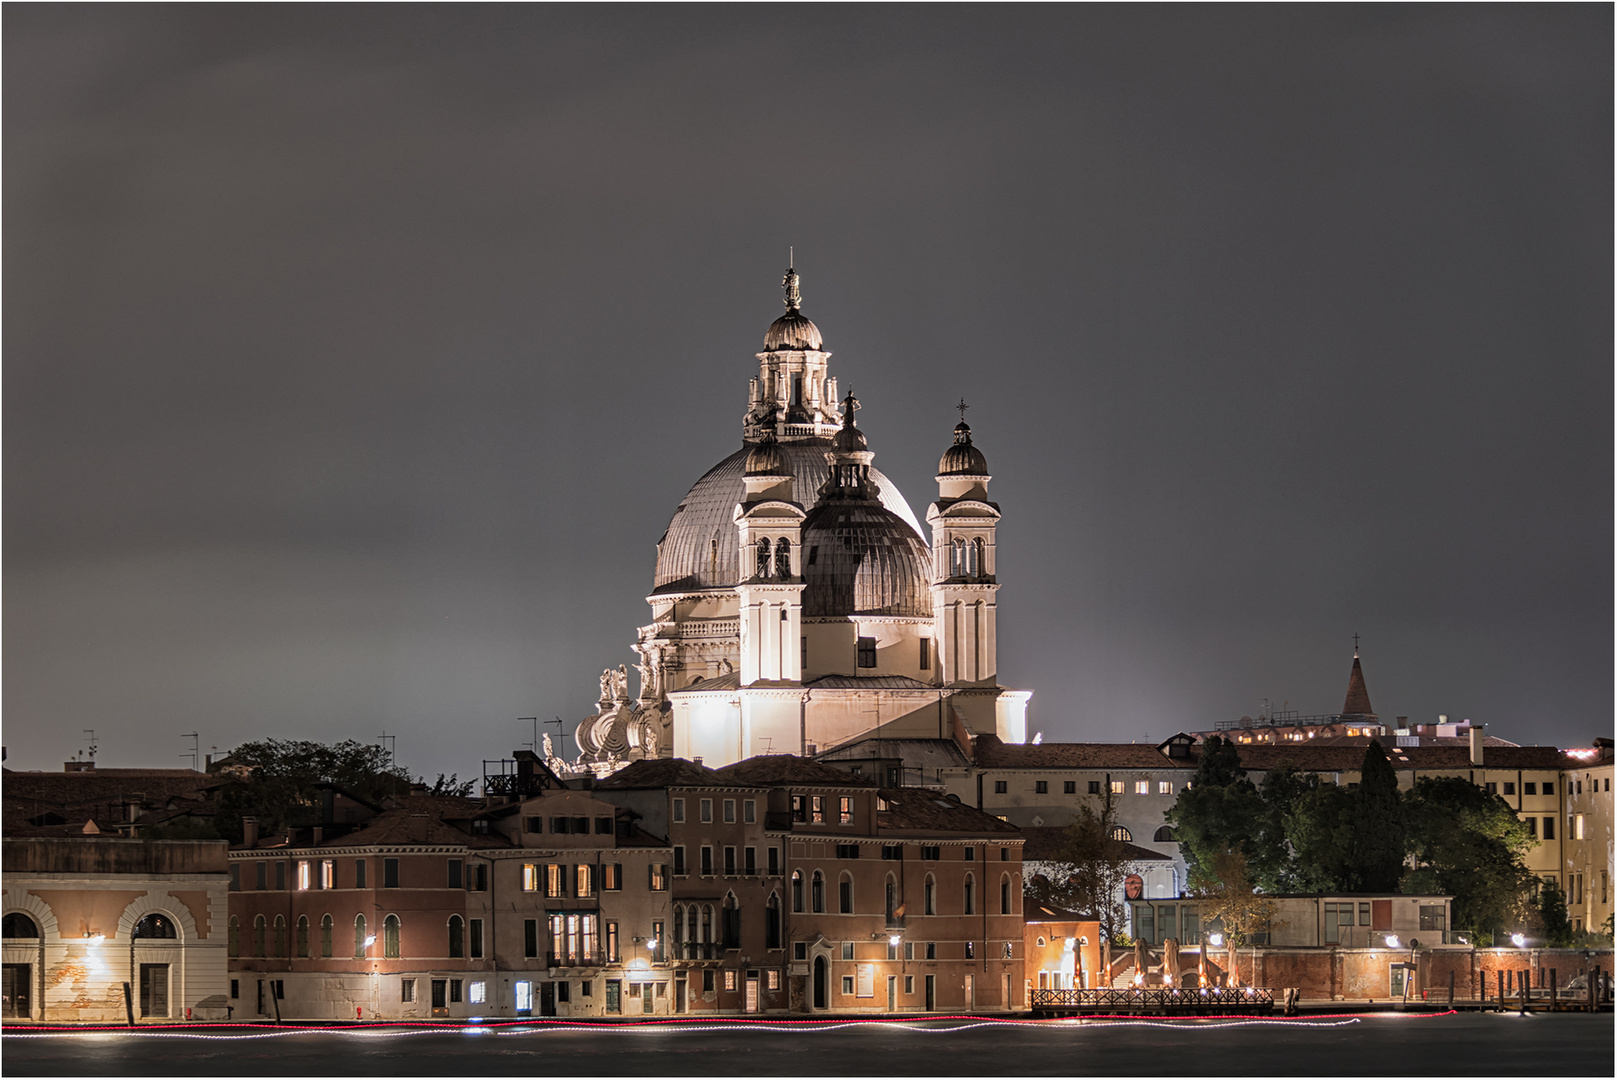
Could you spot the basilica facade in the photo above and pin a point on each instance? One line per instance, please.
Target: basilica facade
(797, 605)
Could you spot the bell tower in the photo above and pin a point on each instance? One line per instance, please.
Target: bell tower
(964, 587)
(770, 592)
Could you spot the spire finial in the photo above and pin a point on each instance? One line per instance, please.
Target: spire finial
(794, 299)
(1355, 646)
(962, 407)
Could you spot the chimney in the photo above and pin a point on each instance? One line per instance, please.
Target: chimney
(418, 789)
(418, 827)
(1476, 746)
(319, 835)
(249, 832)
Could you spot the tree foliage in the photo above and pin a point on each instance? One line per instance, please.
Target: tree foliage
(1468, 844)
(1090, 870)
(1554, 927)
(1376, 856)
(276, 781)
(1221, 812)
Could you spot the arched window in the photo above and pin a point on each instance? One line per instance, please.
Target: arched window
(845, 893)
(18, 925)
(797, 891)
(280, 935)
(1165, 835)
(1040, 941)
(783, 558)
(1120, 833)
(360, 944)
(679, 932)
(979, 553)
(303, 936)
(456, 928)
(931, 896)
(325, 935)
(155, 926)
(763, 557)
(258, 935)
(971, 895)
(772, 923)
(707, 928)
(713, 555)
(1005, 895)
(730, 928)
(957, 557)
(233, 938)
(390, 937)
(691, 942)
(819, 892)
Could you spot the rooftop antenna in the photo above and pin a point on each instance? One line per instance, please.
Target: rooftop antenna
(561, 729)
(89, 734)
(196, 746)
(534, 720)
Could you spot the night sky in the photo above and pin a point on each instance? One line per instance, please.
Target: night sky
(356, 357)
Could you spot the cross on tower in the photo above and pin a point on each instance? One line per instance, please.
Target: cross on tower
(962, 407)
(1355, 644)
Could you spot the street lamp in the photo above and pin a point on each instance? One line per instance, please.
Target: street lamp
(1518, 940)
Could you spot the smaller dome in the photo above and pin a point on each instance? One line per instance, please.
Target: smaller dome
(767, 459)
(962, 459)
(792, 330)
(849, 440)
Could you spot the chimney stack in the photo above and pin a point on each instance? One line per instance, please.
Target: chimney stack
(249, 832)
(1476, 746)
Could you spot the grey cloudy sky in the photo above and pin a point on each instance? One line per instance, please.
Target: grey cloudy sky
(356, 357)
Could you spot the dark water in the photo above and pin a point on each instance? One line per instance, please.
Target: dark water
(1374, 1045)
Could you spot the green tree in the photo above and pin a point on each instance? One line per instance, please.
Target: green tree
(1468, 844)
(1376, 855)
(1554, 926)
(1273, 863)
(1321, 828)
(1090, 870)
(276, 781)
(1219, 813)
(1230, 898)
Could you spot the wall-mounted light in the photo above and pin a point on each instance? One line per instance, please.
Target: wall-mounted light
(1215, 940)
(1392, 942)
(1518, 940)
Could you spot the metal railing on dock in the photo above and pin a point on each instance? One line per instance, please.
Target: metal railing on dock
(1159, 1001)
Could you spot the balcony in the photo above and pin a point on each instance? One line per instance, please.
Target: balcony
(581, 958)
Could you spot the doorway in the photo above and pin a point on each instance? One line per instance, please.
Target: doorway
(931, 993)
(17, 983)
(680, 986)
(154, 990)
(524, 998)
(971, 992)
(547, 999)
(614, 995)
(892, 993)
(820, 980)
(440, 997)
(752, 994)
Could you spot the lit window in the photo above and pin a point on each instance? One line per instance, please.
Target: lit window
(1164, 787)
(730, 979)
(1142, 787)
(772, 979)
(845, 811)
(818, 817)
(328, 874)
(530, 877)
(1577, 827)
(305, 877)
(1117, 787)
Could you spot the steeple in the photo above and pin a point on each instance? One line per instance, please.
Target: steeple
(792, 395)
(964, 586)
(1358, 698)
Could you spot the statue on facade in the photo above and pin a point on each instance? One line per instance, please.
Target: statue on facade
(620, 683)
(606, 684)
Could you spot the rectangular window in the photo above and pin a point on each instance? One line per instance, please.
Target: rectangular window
(603, 826)
(772, 979)
(799, 808)
(707, 861)
(530, 938)
(847, 980)
(455, 867)
(892, 851)
(612, 955)
(867, 652)
(847, 851)
(611, 877)
(1510, 787)
(909, 950)
(305, 876)
(1530, 788)
(909, 984)
(561, 826)
(390, 873)
(1117, 787)
(1142, 787)
(971, 854)
(478, 873)
(845, 810)
(555, 880)
(679, 860)
(774, 860)
(1364, 914)
(931, 853)
(1069, 787)
(729, 861)
(926, 654)
(476, 935)
(260, 881)
(1577, 827)
(406, 990)
(749, 863)
(235, 877)
(280, 875)
(1549, 828)
(1094, 787)
(817, 816)
(1164, 787)
(534, 824)
(749, 811)
(1549, 787)
(1532, 827)
(1041, 787)
(530, 877)
(583, 881)
(729, 811)
(971, 949)
(359, 873)
(477, 993)
(1432, 917)
(658, 873)
(564, 991)
(455, 991)
(931, 950)
(679, 809)
(707, 809)
(328, 874)
(1491, 788)
(1001, 787)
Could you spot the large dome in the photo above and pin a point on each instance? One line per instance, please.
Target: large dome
(688, 556)
(792, 330)
(860, 558)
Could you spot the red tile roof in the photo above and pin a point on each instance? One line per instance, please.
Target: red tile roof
(780, 770)
(922, 810)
